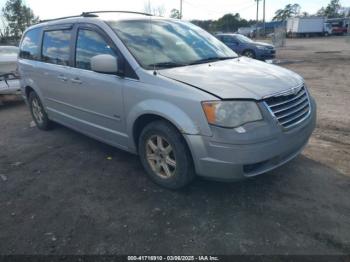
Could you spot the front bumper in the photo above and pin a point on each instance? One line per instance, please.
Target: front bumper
(11, 87)
(264, 147)
(266, 54)
(10, 84)
(10, 90)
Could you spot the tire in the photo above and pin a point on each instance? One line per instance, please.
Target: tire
(154, 152)
(249, 53)
(38, 112)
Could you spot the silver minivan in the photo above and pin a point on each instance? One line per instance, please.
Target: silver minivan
(168, 91)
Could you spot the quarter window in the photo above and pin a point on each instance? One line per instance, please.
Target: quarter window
(56, 47)
(90, 44)
(29, 48)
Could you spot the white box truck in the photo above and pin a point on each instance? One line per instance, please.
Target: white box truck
(307, 26)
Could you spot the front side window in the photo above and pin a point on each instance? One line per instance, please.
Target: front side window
(229, 40)
(90, 44)
(56, 47)
(168, 43)
(29, 48)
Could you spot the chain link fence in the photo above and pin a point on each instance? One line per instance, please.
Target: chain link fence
(279, 37)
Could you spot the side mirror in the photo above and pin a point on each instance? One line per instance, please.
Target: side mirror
(107, 64)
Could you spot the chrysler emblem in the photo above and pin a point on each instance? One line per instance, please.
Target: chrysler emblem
(293, 91)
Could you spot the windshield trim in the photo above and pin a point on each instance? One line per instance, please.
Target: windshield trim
(195, 64)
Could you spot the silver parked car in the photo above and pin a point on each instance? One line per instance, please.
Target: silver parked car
(168, 91)
(9, 80)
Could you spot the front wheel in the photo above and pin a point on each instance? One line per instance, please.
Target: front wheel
(165, 156)
(249, 53)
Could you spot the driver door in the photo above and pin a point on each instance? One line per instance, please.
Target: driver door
(232, 43)
(96, 98)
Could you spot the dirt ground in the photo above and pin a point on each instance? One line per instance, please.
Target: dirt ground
(60, 193)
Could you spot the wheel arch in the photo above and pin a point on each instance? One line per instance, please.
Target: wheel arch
(249, 49)
(28, 90)
(145, 119)
(142, 121)
(153, 110)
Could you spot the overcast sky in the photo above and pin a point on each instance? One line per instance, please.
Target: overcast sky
(192, 9)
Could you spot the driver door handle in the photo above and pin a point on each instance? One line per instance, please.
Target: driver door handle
(76, 80)
(62, 78)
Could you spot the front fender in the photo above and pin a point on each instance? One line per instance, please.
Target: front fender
(164, 109)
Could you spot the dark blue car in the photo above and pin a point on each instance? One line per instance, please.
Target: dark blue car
(245, 46)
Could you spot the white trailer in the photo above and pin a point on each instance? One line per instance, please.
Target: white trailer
(244, 31)
(307, 26)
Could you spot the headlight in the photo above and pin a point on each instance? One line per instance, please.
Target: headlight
(262, 47)
(231, 113)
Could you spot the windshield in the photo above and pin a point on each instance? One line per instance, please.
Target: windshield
(244, 39)
(169, 43)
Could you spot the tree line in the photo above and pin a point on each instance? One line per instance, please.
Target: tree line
(231, 22)
(227, 23)
(16, 17)
(332, 10)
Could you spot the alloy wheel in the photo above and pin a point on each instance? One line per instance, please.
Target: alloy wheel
(37, 111)
(160, 156)
(249, 54)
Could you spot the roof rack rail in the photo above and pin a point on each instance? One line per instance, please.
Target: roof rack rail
(93, 14)
(127, 12)
(65, 17)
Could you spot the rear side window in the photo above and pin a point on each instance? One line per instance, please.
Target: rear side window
(90, 44)
(56, 47)
(30, 46)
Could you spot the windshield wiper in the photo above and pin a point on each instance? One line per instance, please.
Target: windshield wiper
(166, 65)
(170, 64)
(211, 59)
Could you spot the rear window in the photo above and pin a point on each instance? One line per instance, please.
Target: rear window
(29, 48)
(56, 47)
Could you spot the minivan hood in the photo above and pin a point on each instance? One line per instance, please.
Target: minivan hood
(236, 78)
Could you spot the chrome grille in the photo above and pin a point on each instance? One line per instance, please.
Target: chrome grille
(290, 110)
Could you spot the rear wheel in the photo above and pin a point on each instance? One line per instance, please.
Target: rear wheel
(249, 53)
(38, 112)
(165, 156)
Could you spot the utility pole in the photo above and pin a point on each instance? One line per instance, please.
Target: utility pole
(264, 20)
(180, 9)
(257, 17)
